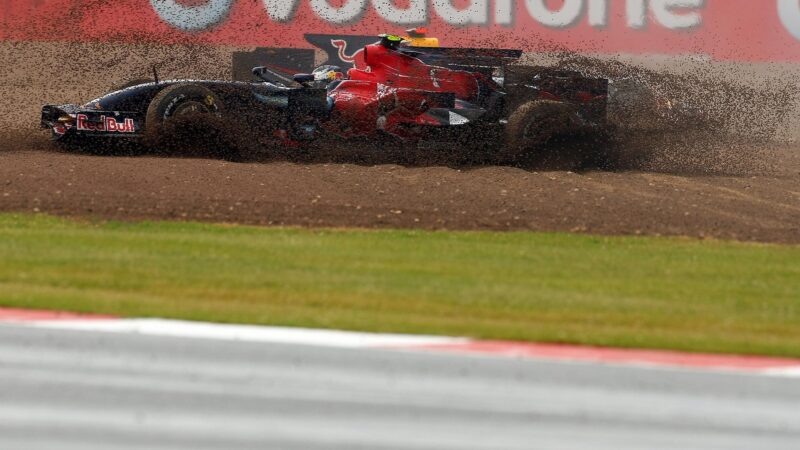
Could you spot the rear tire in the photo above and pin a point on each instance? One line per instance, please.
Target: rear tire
(531, 125)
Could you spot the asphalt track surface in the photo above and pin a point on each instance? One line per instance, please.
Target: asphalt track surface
(70, 389)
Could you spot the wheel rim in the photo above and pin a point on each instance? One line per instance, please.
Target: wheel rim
(190, 107)
(531, 130)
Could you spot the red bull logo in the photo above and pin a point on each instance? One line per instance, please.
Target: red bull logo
(105, 124)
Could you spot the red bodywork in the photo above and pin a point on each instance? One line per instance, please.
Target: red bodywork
(394, 92)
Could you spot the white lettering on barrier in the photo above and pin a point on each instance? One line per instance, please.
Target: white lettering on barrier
(349, 12)
(504, 12)
(192, 18)
(664, 14)
(476, 14)
(570, 12)
(789, 12)
(567, 16)
(688, 16)
(598, 13)
(281, 10)
(415, 14)
(636, 12)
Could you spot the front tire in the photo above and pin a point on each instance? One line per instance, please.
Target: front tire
(180, 100)
(188, 117)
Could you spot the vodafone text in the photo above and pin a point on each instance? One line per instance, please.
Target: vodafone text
(671, 14)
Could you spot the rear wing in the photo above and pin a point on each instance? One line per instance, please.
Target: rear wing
(525, 83)
(463, 57)
(555, 80)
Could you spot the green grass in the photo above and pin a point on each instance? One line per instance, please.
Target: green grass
(620, 291)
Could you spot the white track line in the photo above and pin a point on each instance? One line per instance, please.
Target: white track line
(784, 372)
(247, 333)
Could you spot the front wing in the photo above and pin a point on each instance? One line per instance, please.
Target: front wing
(75, 120)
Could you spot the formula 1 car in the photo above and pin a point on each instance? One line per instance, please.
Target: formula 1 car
(410, 94)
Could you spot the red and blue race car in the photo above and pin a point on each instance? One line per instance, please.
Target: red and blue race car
(402, 93)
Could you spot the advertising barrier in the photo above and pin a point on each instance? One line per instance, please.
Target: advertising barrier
(744, 30)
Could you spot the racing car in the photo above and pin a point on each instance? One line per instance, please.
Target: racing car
(406, 93)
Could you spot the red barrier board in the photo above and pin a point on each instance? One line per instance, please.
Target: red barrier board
(747, 30)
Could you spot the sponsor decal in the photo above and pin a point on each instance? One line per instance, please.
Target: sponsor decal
(747, 30)
(341, 45)
(342, 50)
(672, 14)
(639, 26)
(172, 104)
(192, 17)
(105, 124)
(789, 13)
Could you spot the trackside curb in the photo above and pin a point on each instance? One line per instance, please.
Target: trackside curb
(760, 365)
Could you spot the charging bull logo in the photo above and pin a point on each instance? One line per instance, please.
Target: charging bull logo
(342, 50)
(356, 59)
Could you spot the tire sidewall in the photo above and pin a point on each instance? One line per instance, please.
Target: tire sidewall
(198, 133)
(518, 143)
(164, 105)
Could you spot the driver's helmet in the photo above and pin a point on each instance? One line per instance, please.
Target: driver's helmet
(328, 74)
(391, 40)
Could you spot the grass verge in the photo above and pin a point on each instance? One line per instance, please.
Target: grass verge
(618, 291)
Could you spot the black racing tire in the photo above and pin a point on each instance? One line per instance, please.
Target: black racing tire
(187, 115)
(178, 100)
(531, 125)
